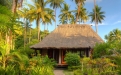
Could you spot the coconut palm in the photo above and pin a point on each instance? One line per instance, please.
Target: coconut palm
(55, 4)
(66, 14)
(72, 20)
(82, 15)
(79, 3)
(48, 20)
(95, 14)
(99, 15)
(114, 35)
(24, 14)
(39, 13)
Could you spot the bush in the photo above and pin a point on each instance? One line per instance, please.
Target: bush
(117, 61)
(78, 72)
(100, 66)
(72, 59)
(41, 66)
(101, 49)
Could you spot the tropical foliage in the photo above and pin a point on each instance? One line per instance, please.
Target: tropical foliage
(99, 14)
(17, 35)
(73, 60)
(100, 66)
(114, 35)
(66, 14)
(106, 58)
(55, 4)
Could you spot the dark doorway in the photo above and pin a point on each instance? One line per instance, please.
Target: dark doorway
(54, 54)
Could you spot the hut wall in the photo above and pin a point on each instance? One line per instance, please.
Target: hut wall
(44, 52)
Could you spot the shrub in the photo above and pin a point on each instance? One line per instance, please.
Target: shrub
(72, 59)
(101, 49)
(100, 66)
(41, 66)
(117, 61)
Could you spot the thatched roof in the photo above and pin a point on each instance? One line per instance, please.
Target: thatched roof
(70, 36)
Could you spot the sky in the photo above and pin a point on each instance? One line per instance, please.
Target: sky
(112, 20)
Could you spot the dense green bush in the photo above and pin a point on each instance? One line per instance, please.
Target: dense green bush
(100, 66)
(73, 60)
(16, 63)
(117, 60)
(101, 49)
(41, 66)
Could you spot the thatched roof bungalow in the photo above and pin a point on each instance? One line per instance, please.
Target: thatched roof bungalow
(68, 37)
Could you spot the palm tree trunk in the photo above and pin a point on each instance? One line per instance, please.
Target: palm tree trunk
(7, 43)
(38, 24)
(78, 12)
(95, 17)
(14, 6)
(21, 3)
(77, 16)
(55, 17)
(30, 34)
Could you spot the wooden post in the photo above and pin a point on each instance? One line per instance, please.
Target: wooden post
(59, 56)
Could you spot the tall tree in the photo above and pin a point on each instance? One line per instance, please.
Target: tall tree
(66, 15)
(23, 13)
(95, 15)
(79, 3)
(99, 16)
(55, 4)
(39, 13)
(48, 20)
(82, 15)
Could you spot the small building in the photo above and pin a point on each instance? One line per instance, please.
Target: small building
(75, 38)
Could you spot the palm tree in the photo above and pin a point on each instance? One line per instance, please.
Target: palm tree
(82, 15)
(39, 13)
(99, 16)
(114, 35)
(79, 3)
(72, 20)
(66, 14)
(48, 20)
(55, 4)
(24, 14)
(95, 14)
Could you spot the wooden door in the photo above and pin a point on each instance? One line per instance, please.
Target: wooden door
(63, 54)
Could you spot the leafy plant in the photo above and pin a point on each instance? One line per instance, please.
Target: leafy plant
(101, 49)
(99, 66)
(72, 59)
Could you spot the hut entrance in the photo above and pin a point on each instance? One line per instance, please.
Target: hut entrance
(54, 54)
(63, 54)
